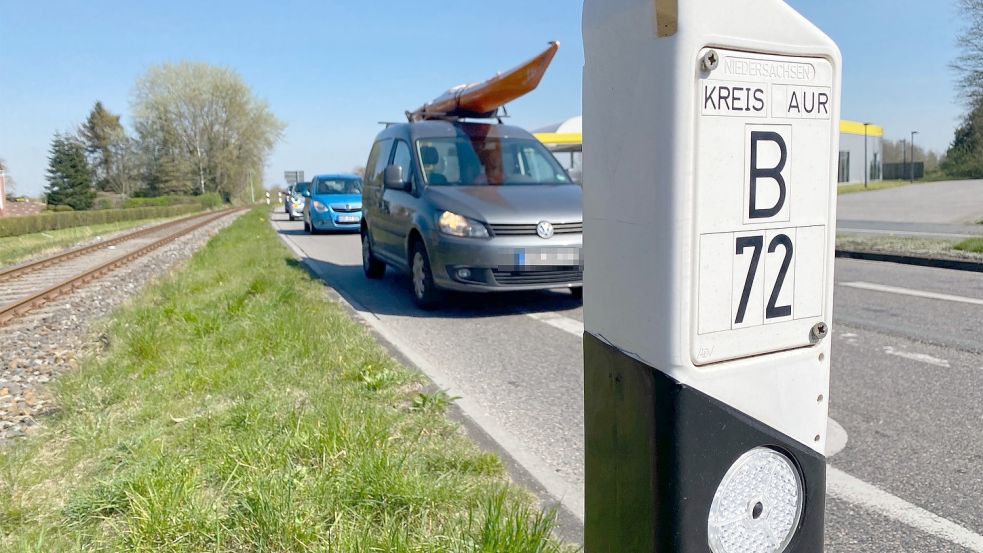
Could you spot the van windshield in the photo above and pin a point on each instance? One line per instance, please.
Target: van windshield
(483, 160)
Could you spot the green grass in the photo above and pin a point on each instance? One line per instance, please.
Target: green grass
(875, 185)
(974, 245)
(236, 409)
(14, 249)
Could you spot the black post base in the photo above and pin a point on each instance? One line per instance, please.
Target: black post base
(656, 450)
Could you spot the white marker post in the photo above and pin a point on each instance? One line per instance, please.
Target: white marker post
(710, 134)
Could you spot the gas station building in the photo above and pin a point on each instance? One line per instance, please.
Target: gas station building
(851, 165)
(565, 139)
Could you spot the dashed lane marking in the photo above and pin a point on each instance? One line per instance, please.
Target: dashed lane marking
(920, 357)
(912, 292)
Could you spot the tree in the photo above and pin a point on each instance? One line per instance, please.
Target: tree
(965, 156)
(896, 151)
(201, 129)
(69, 175)
(110, 151)
(969, 63)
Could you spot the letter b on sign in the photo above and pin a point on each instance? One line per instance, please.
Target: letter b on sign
(767, 180)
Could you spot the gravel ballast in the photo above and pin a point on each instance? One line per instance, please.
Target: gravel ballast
(36, 348)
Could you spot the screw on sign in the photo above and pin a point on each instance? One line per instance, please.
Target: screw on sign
(703, 427)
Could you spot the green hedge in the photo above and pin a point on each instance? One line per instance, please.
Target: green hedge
(209, 201)
(15, 226)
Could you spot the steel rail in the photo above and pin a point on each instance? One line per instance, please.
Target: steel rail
(7, 273)
(21, 307)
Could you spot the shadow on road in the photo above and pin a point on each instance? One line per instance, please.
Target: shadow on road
(391, 295)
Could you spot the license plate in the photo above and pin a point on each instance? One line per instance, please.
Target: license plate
(348, 218)
(547, 257)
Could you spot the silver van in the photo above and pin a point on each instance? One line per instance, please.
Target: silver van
(470, 207)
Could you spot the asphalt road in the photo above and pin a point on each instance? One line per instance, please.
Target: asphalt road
(906, 387)
(947, 209)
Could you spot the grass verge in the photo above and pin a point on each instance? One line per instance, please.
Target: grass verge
(973, 245)
(236, 409)
(904, 245)
(14, 249)
(875, 185)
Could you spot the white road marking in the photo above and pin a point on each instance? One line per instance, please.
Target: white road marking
(853, 490)
(566, 324)
(920, 357)
(911, 292)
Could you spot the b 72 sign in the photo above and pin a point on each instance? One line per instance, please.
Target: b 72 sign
(762, 204)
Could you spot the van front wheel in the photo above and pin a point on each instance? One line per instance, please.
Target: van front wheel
(425, 293)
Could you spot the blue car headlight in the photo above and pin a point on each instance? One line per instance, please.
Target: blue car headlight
(319, 207)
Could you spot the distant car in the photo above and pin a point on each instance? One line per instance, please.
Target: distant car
(334, 202)
(295, 200)
(471, 207)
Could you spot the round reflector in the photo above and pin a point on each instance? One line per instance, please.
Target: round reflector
(757, 506)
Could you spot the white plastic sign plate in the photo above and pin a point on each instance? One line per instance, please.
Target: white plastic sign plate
(762, 193)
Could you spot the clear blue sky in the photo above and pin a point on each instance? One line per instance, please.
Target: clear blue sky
(331, 70)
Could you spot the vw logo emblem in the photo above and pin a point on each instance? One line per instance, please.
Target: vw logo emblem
(544, 229)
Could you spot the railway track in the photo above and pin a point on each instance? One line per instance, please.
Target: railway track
(25, 287)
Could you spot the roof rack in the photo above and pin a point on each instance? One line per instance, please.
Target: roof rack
(498, 114)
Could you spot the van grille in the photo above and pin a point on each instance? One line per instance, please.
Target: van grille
(530, 230)
(518, 278)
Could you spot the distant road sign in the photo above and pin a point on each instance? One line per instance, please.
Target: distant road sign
(293, 177)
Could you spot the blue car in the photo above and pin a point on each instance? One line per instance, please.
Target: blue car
(334, 203)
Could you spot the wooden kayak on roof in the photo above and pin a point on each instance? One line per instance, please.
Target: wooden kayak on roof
(483, 99)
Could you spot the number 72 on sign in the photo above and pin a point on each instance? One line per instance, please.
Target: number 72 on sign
(768, 276)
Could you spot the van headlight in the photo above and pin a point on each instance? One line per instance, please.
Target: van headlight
(319, 207)
(459, 225)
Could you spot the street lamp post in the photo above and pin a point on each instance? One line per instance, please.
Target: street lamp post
(866, 163)
(904, 157)
(913, 133)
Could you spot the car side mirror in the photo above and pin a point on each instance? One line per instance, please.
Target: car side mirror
(307, 193)
(393, 178)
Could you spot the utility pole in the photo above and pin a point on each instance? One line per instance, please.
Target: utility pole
(913, 133)
(866, 163)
